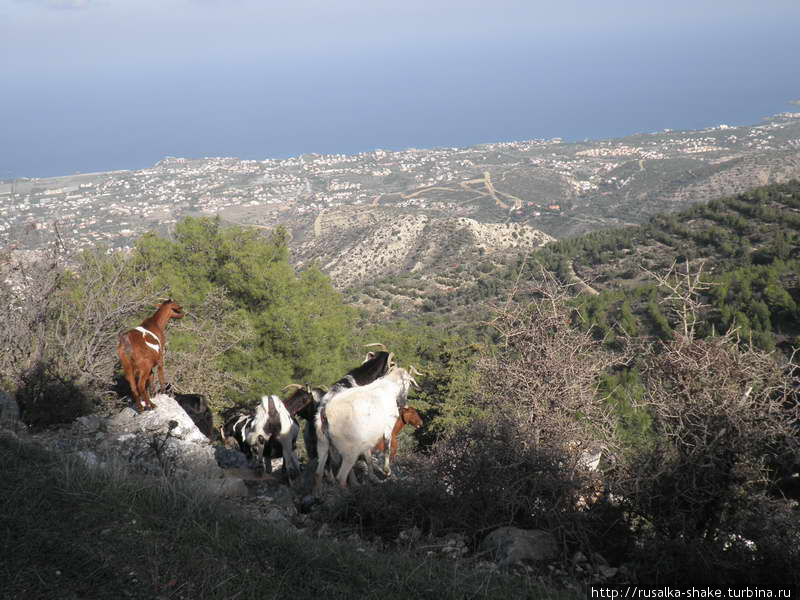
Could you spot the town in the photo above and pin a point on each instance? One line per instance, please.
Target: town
(559, 187)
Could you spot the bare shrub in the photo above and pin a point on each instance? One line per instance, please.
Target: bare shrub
(27, 281)
(545, 375)
(724, 421)
(67, 313)
(96, 300)
(723, 416)
(60, 332)
(198, 343)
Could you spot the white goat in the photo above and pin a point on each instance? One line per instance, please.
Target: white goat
(272, 425)
(356, 419)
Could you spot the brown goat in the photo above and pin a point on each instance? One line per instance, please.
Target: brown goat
(408, 416)
(142, 348)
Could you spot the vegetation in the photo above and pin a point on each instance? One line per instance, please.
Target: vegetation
(135, 538)
(670, 369)
(750, 249)
(253, 324)
(700, 443)
(300, 329)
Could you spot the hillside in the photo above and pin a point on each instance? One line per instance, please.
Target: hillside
(369, 245)
(748, 245)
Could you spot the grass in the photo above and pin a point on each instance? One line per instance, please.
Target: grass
(70, 532)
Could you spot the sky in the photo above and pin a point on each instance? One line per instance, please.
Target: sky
(90, 85)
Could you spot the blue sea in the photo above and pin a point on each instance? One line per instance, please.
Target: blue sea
(574, 86)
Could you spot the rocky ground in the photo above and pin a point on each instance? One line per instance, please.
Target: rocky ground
(166, 443)
(357, 251)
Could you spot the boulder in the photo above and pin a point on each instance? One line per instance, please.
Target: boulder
(163, 440)
(227, 458)
(228, 487)
(510, 546)
(278, 518)
(88, 423)
(167, 414)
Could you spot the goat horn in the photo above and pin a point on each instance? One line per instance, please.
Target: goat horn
(293, 386)
(379, 345)
(324, 388)
(391, 360)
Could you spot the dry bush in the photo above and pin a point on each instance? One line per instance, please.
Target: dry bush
(27, 281)
(59, 332)
(545, 373)
(723, 418)
(209, 331)
(59, 336)
(47, 397)
(724, 423)
(97, 299)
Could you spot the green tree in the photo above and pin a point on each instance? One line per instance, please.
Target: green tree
(301, 326)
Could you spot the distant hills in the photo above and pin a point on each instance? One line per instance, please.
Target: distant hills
(423, 229)
(748, 244)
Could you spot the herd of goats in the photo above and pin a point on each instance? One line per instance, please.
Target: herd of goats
(364, 410)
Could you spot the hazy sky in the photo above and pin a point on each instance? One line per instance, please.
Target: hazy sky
(100, 84)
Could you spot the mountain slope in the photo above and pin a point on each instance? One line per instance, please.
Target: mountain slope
(356, 247)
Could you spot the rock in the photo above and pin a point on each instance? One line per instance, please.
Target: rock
(278, 518)
(122, 421)
(169, 415)
(228, 458)
(282, 496)
(88, 423)
(308, 502)
(164, 440)
(197, 459)
(228, 487)
(89, 458)
(607, 572)
(511, 545)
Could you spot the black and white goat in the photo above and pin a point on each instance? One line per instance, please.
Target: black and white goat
(273, 428)
(233, 431)
(268, 430)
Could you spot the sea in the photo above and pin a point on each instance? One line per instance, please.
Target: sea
(579, 86)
